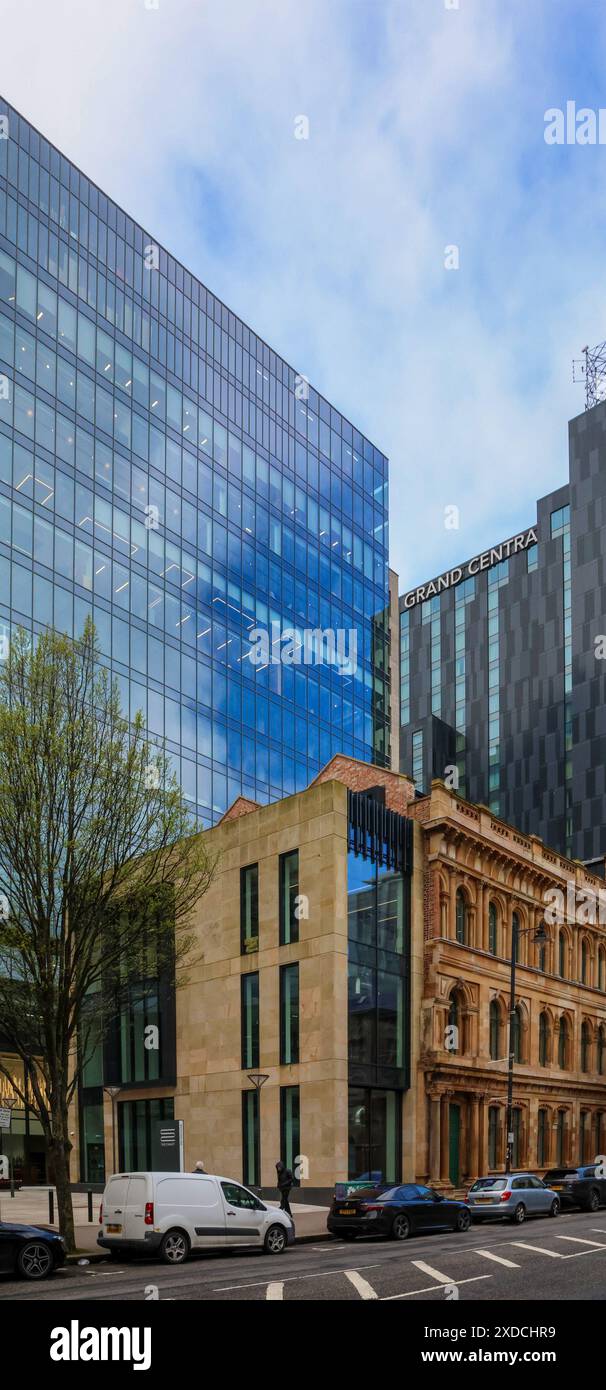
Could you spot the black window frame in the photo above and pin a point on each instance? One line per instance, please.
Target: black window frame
(292, 968)
(245, 935)
(293, 922)
(245, 984)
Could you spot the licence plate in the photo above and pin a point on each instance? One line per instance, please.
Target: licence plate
(557, 1187)
(114, 1230)
(347, 1211)
(484, 1199)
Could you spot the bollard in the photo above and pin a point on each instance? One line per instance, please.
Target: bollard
(51, 1207)
(90, 1206)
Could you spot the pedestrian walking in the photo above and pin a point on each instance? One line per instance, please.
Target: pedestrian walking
(285, 1182)
(199, 1168)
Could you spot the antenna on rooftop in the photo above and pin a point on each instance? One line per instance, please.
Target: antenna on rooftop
(591, 369)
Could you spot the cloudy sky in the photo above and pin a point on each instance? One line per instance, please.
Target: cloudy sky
(426, 130)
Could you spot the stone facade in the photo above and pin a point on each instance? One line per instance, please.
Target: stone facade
(561, 1071)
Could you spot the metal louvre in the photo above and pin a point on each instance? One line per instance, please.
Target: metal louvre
(379, 834)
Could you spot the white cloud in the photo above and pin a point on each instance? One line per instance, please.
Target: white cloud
(425, 129)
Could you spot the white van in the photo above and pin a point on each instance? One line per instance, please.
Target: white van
(170, 1214)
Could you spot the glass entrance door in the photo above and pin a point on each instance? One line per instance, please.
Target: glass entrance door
(375, 1133)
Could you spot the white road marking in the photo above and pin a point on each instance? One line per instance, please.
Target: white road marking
(578, 1240)
(431, 1288)
(434, 1273)
(488, 1255)
(365, 1289)
(275, 1291)
(290, 1279)
(538, 1249)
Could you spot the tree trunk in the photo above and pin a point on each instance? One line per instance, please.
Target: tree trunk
(59, 1150)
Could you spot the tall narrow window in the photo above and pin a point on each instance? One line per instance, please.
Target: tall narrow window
(562, 956)
(250, 1138)
(543, 1039)
(584, 959)
(542, 1139)
(289, 892)
(249, 909)
(585, 1047)
(492, 929)
(560, 1138)
(250, 1020)
(601, 1050)
(493, 1136)
(515, 935)
(461, 917)
(601, 968)
(290, 1127)
(516, 1035)
(495, 1030)
(563, 1045)
(289, 1014)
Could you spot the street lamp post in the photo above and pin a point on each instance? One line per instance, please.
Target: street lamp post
(113, 1092)
(258, 1079)
(540, 937)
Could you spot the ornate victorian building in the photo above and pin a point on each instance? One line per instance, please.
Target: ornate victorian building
(479, 875)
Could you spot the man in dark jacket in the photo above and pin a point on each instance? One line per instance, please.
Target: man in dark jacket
(285, 1182)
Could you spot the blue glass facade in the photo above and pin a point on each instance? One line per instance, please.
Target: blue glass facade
(163, 470)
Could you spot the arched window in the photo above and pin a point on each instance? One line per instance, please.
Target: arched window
(516, 1034)
(562, 955)
(462, 915)
(495, 1030)
(584, 961)
(543, 958)
(585, 1046)
(601, 1050)
(601, 968)
(492, 929)
(563, 1044)
(544, 1039)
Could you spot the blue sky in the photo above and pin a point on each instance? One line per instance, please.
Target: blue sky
(426, 130)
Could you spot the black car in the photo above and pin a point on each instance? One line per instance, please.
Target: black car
(30, 1251)
(397, 1212)
(578, 1187)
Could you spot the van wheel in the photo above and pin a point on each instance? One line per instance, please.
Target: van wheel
(174, 1248)
(275, 1240)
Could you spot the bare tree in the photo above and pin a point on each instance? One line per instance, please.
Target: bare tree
(100, 870)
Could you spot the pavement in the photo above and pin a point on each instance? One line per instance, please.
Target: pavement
(562, 1259)
(31, 1205)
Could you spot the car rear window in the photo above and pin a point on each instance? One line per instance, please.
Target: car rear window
(488, 1184)
(560, 1173)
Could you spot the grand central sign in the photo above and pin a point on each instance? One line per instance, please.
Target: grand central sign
(485, 561)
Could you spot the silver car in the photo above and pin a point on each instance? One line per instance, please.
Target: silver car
(512, 1197)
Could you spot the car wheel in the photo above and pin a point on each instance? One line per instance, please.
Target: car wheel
(594, 1200)
(519, 1214)
(35, 1260)
(174, 1248)
(275, 1240)
(463, 1221)
(554, 1209)
(400, 1229)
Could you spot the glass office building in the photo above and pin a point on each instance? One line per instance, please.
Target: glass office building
(165, 472)
(502, 669)
(162, 469)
